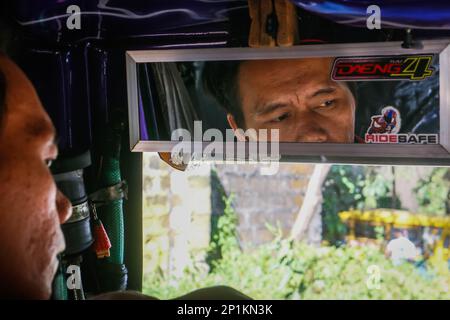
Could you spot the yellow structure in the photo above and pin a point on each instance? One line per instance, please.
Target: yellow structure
(362, 227)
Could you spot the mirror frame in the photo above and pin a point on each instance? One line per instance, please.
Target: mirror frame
(382, 154)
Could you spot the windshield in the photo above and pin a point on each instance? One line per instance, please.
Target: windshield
(308, 232)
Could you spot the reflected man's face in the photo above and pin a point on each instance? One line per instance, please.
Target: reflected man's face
(298, 97)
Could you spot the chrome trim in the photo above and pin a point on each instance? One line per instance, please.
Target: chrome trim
(79, 212)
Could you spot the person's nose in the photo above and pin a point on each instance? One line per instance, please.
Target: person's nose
(310, 130)
(314, 135)
(63, 206)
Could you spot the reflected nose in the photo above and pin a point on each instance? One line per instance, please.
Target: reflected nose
(314, 135)
(63, 206)
(309, 130)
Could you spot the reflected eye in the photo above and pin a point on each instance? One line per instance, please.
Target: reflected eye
(48, 162)
(327, 104)
(284, 116)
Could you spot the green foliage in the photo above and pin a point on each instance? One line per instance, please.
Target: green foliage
(224, 239)
(433, 192)
(377, 190)
(353, 187)
(379, 233)
(283, 269)
(342, 190)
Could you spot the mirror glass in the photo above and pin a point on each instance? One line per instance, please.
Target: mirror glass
(372, 99)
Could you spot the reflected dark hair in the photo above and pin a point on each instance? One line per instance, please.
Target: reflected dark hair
(353, 87)
(3, 43)
(2, 97)
(6, 39)
(220, 79)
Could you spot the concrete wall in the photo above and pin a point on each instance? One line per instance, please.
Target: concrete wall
(178, 207)
(260, 199)
(177, 212)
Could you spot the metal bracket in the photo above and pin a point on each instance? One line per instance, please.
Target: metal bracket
(112, 193)
(274, 23)
(167, 158)
(79, 212)
(409, 42)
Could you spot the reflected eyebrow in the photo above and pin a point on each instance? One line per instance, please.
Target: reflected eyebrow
(56, 138)
(326, 90)
(40, 128)
(268, 108)
(272, 106)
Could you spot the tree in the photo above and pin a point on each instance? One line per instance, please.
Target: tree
(312, 204)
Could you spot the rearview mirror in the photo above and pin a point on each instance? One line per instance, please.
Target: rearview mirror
(368, 103)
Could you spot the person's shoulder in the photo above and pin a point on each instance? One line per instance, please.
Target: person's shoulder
(405, 242)
(391, 244)
(405, 239)
(210, 293)
(122, 295)
(215, 293)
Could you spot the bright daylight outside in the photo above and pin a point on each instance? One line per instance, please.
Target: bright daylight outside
(308, 232)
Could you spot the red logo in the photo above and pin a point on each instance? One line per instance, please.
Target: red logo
(385, 127)
(388, 121)
(383, 68)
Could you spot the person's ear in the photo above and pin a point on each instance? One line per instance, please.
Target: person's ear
(234, 126)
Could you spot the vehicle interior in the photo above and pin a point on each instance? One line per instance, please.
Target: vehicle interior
(118, 78)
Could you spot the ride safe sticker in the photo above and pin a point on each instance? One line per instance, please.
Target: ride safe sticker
(385, 127)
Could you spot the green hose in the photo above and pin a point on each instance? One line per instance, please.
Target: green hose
(112, 273)
(111, 214)
(59, 290)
